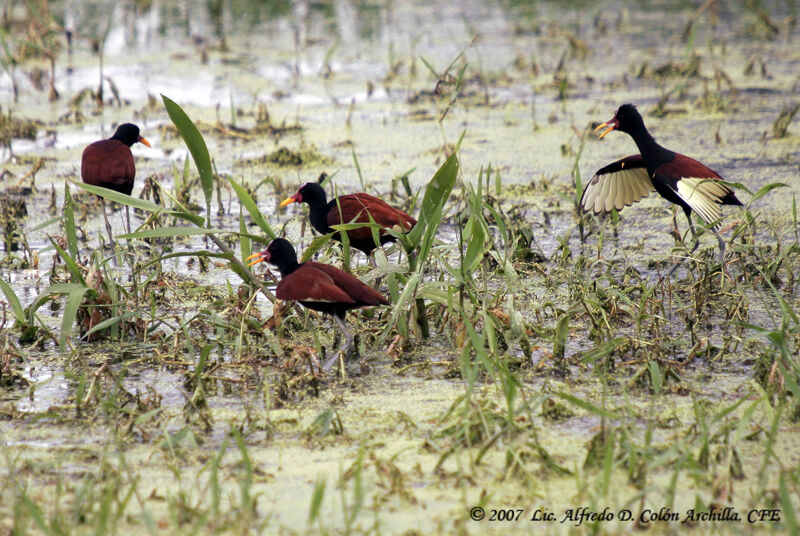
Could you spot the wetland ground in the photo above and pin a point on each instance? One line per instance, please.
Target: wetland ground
(558, 366)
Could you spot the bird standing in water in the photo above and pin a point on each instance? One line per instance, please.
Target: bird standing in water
(356, 208)
(318, 286)
(109, 163)
(677, 178)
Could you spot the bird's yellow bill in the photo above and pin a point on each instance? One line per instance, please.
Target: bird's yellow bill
(258, 258)
(287, 201)
(606, 131)
(144, 141)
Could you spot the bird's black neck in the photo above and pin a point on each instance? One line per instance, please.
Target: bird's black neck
(652, 153)
(287, 266)
(318, 214)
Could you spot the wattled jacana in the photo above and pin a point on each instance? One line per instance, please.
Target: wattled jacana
(677, 178)
(318, 286)
(356, 208)
(109, 163)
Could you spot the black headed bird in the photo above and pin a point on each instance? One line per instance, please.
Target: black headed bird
(355, 208)
(318, 286)
(109, 163)
(677, 178)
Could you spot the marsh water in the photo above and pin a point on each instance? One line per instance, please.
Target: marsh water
(111, 435)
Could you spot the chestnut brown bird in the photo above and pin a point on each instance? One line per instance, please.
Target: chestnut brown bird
(355, 208)
(677, 178)
(318, 286)
(109, 163)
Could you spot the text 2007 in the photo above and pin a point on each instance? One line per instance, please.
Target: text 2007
(507, 514)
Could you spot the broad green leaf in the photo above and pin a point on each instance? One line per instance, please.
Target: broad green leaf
(252, 208)
(656, 377)
(16, 307)
(560, 337)
(74, 300)
(764, 190)
(110, 322)
(245, 244)
(141, 204)
(163, 232)
(197, 147)
(315, 245)
(69, 222)
(436, 195)
(52, 290)
(475, 247)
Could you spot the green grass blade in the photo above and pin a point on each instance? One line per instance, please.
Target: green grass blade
(602, 350)
(34, 511)
(764, 190)
(591, 408)
(45, 224)
(788, 508)
(316, 499)
(72, 266)
(402, 302)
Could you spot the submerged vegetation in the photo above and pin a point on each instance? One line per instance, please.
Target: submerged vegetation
(533, 358)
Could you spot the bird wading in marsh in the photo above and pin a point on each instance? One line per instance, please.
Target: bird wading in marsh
(318, 286)
(677, 178)
(109, 163)
(352, 208)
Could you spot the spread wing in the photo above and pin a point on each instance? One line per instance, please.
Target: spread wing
(358, 208)
(107, 162)
(619, 184)
(699, 186)
(309, 283)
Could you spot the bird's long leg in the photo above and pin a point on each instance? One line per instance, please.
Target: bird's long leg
(694, 233)
(721, 246)
(108, 225)
(128, 218)
(378, 280)
(348, 344)
(694, 237)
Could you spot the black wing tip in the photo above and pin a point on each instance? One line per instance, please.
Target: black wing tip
(731, 199)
